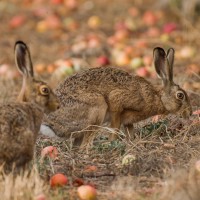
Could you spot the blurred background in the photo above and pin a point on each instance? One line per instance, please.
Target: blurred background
(66, 36)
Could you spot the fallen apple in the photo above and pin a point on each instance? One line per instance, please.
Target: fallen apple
(103, 60)
(121, 35)
(156, 118)
(196, 112)
(122, 59)
(164, 37)
(186, 52)
(131, 24)
(136, 62)
(142, 71)
(169, 27)
(71, 4)
(41, 197)
(87, 192)
(17, 21)
(41, 26)
(58, 180)
(53, 21)
(50, 151)
(149, 18)
(94, 22)
(128, 159)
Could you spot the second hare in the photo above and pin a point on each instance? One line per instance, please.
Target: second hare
(20, 121)
(126, 98)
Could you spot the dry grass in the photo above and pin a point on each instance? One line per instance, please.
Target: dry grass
(21, 187)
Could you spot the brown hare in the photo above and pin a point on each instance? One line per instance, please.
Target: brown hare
(126, 98)
(20, 121)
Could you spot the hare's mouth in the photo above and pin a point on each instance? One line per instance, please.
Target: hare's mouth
(185, 114)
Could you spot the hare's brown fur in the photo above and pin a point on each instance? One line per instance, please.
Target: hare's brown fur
(127, 99)
(20, 121)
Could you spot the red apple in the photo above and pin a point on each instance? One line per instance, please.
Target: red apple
(168, 28)
(50, 151)
(17, 21)
(103, 60)
(149, 18)
(53, 21)
(196, 112)
(58, 180)
(87, 192)
(142, 71)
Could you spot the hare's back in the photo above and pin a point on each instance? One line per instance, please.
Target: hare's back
(15, 118)
(17, 133)
(101, 80)
(94, 78)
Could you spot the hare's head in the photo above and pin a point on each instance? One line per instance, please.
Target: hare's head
(33, 90)
(174, 98)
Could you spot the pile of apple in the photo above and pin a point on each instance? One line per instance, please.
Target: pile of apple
(128, 43)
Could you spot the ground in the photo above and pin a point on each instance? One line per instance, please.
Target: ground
(65, 36)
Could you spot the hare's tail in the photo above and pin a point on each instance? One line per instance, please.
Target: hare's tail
(47, 131)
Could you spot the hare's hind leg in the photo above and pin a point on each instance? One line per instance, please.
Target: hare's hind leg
(96, 108)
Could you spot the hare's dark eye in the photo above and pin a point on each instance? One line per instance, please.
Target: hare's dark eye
(44, 90)
(180, 95)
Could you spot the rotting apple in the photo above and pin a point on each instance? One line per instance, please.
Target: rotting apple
(50, 151)
(87, 192)
(58, 180)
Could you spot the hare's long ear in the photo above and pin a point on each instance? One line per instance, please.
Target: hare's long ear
(23, 59)
(170, 59)
(160, 59)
